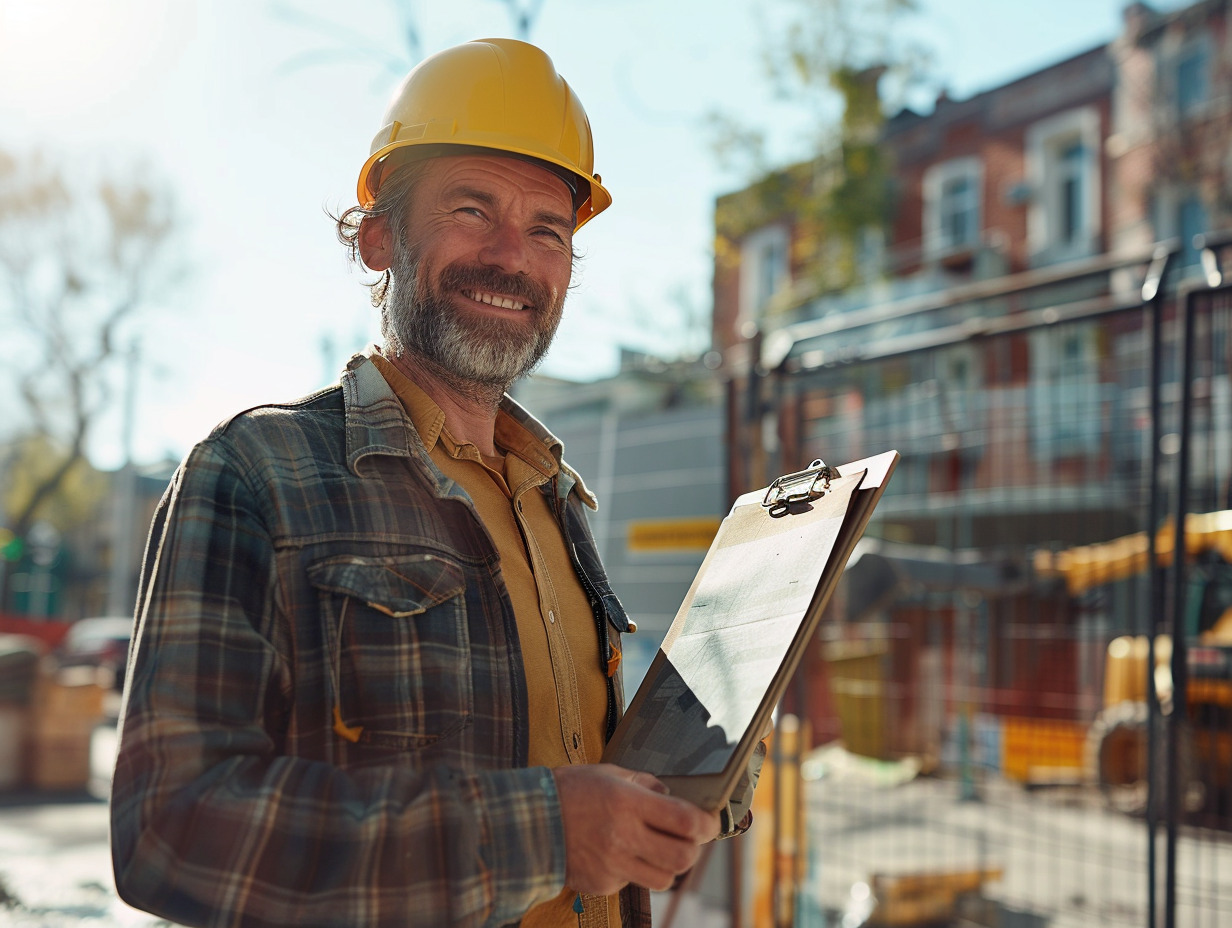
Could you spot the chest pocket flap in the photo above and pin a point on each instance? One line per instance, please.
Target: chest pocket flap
(399, 587)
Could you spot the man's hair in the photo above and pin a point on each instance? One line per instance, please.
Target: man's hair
(392, 199)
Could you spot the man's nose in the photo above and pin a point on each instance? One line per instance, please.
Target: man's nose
(505, 247)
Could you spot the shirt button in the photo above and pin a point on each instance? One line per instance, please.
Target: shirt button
(576, 742)
(551, 617)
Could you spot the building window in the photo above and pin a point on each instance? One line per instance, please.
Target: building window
(1178, 212)
(959, 201)
(764, 269)
(1067, 399)
(960, 390)
(870, 254)
(1190, 221)
(952, 206)
(1072, 179)
(1063, 221)
(1192, 75)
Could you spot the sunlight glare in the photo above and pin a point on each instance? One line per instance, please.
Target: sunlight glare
(70, 56)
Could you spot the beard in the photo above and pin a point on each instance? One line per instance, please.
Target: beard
(472, 350)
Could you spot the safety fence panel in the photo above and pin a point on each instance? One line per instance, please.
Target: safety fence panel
(988, 706)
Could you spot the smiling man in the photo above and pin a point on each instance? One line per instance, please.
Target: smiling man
(376, 657)
(480, 265)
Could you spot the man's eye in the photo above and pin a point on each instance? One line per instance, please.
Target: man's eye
(470, 210)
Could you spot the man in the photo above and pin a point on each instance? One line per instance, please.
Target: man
(377, 658)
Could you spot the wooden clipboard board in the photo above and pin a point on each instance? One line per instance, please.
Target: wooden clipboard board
(738, 637)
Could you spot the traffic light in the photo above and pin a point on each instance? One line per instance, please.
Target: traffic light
(11, 546)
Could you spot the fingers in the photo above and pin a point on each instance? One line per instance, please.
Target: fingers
(675, 816)
(668, 852)
(621, 827)
(644, 874)
(648, 781)
(681, 819)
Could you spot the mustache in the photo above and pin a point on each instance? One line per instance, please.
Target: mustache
(523, 288)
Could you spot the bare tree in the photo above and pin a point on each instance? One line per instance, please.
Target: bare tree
(80, 260)
(343, 43)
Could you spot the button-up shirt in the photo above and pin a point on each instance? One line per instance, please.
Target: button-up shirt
(566, 687)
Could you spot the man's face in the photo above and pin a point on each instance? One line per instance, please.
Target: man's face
(480, 281)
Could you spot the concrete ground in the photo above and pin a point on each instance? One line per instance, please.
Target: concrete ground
(55, 863)
(1066, 862)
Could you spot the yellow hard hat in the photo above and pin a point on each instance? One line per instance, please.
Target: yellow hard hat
(497, 94)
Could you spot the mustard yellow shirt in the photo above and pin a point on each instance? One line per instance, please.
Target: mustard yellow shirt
(567, 690)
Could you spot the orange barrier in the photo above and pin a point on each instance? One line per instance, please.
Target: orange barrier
(1033, 744)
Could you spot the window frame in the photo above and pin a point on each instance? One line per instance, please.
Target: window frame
(1047, 145)
(937, 243)
(1171, 63)
(754, 293)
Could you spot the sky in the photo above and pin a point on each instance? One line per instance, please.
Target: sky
(257, 114)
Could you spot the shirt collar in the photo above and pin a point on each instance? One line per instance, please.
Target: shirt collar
(426, 416)
(568, 479)
(376, 422)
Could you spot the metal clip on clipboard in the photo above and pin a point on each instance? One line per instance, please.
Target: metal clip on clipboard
(801, 487)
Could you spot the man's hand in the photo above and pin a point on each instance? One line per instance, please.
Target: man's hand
(621, 827)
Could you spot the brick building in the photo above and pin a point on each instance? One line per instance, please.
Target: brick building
(993, 330)
(1102, 154)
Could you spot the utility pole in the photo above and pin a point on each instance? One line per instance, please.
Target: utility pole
(44, 540)
(120, 592)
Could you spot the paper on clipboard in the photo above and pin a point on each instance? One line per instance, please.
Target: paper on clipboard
(736, 639)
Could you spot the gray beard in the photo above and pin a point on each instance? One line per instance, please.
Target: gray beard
(477, 356)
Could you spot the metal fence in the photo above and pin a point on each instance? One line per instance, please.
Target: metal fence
(1023, 692)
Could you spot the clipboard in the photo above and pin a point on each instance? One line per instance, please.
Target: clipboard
(741, 630)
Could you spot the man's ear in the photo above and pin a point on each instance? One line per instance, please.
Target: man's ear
(376, 240)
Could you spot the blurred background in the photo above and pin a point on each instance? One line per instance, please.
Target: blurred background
(986, 235)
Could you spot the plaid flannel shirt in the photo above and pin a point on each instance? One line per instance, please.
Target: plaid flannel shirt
(311, 572)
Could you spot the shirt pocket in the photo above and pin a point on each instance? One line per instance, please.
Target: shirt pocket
(397, 635)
